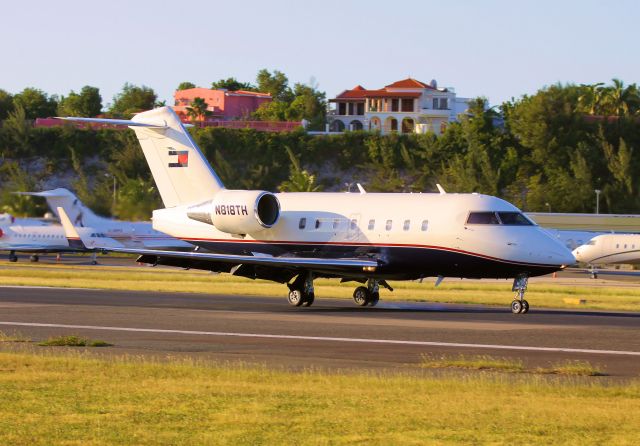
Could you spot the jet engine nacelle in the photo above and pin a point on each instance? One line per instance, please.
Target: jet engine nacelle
(238, 211)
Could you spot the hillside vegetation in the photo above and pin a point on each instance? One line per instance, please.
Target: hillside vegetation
(548, 151)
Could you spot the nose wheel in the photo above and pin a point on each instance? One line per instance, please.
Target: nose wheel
(369, 295)
(519, 304)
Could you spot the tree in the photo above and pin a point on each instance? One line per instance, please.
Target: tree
(36, 103)
(198, 109)
(299, 179)
(133, 99)
(186, 86)
(87, 103)
(309, 104)
(276, 84)
(16, 179)
(18, 130)
(232, 84)
(6, 104)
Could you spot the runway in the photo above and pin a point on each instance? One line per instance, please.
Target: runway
(333, 334)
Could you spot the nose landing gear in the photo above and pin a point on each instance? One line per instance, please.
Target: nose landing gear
(519, 304)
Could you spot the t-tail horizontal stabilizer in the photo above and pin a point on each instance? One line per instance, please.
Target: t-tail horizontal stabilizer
(181, 172)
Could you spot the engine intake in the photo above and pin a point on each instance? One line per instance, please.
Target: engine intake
(238, 211)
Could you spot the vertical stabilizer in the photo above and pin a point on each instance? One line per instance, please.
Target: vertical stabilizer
(78, 213)
(180, 170)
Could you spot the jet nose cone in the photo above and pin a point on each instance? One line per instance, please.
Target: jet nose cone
(567, 258)
(577, 253)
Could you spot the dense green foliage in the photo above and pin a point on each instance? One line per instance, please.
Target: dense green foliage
(86, 103)
(545, 151)
(133, 99)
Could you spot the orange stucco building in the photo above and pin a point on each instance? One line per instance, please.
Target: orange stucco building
(222, 104)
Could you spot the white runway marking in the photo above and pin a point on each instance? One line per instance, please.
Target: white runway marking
(330, 339)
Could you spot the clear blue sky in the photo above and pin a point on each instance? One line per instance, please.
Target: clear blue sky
(497, 49)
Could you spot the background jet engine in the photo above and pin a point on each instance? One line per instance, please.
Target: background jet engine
(238, 211)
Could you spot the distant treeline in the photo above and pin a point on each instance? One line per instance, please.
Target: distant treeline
(548, 151)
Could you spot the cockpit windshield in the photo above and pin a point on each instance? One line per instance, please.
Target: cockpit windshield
(498, 218)
(514, 218)
(591, 242)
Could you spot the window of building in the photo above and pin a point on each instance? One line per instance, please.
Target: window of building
(342, 108)
(394, 105)
(425, 225)
(406, 105)
(372, 224)
(406, 225)
(388, 225)
(303, 223)
(360, 108)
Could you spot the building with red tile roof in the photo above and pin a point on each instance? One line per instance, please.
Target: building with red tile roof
(407, 106)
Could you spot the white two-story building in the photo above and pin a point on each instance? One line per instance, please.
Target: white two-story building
(405, 106)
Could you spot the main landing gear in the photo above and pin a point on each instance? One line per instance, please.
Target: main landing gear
(34, 258)
(13, 257)
(301, 290)
(519, 304)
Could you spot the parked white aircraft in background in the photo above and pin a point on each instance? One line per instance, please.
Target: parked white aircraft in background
(34, 239)
(37, 237)
(129, 233)
(368, 238)
(609, 249)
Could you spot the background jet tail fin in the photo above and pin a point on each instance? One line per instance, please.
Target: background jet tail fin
(70, 232)
(85, 238)
(181, 171)
(78, 213)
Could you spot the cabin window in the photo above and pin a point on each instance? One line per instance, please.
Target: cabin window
(514, 219)
(372, 224)
(617, 245)
(482, 218)
(303, 223)
(317, 224)
(335, 223)
(354, 224)
(388, 225)
(406, 225)
(425, 225)
(625, 246)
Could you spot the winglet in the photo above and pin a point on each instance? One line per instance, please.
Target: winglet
(70, 232)
(441, 189)
(361, 189)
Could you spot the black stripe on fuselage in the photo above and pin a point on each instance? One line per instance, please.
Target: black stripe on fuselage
(397, 261)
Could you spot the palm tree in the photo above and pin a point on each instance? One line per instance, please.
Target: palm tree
(621, 100)
(591, 98)
(299, 179)
(198, 110)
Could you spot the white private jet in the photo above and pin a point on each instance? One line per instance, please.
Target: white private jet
(609, 249)
(295, 237)
(37, 237)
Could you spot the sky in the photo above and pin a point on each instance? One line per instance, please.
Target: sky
(496, 49)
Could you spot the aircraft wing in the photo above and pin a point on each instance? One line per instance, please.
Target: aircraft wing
(260, 259)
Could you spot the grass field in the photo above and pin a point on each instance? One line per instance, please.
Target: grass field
(70, 399)
(175, 280)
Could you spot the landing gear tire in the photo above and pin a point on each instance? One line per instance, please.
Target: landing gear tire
(516, 307)
(296, 298)
(34, 258)
(308, 301)
(13, 258)
(525, 307)
(361, 296)
(375, 297)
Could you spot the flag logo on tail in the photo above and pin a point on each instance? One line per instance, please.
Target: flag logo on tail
(183, 158)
